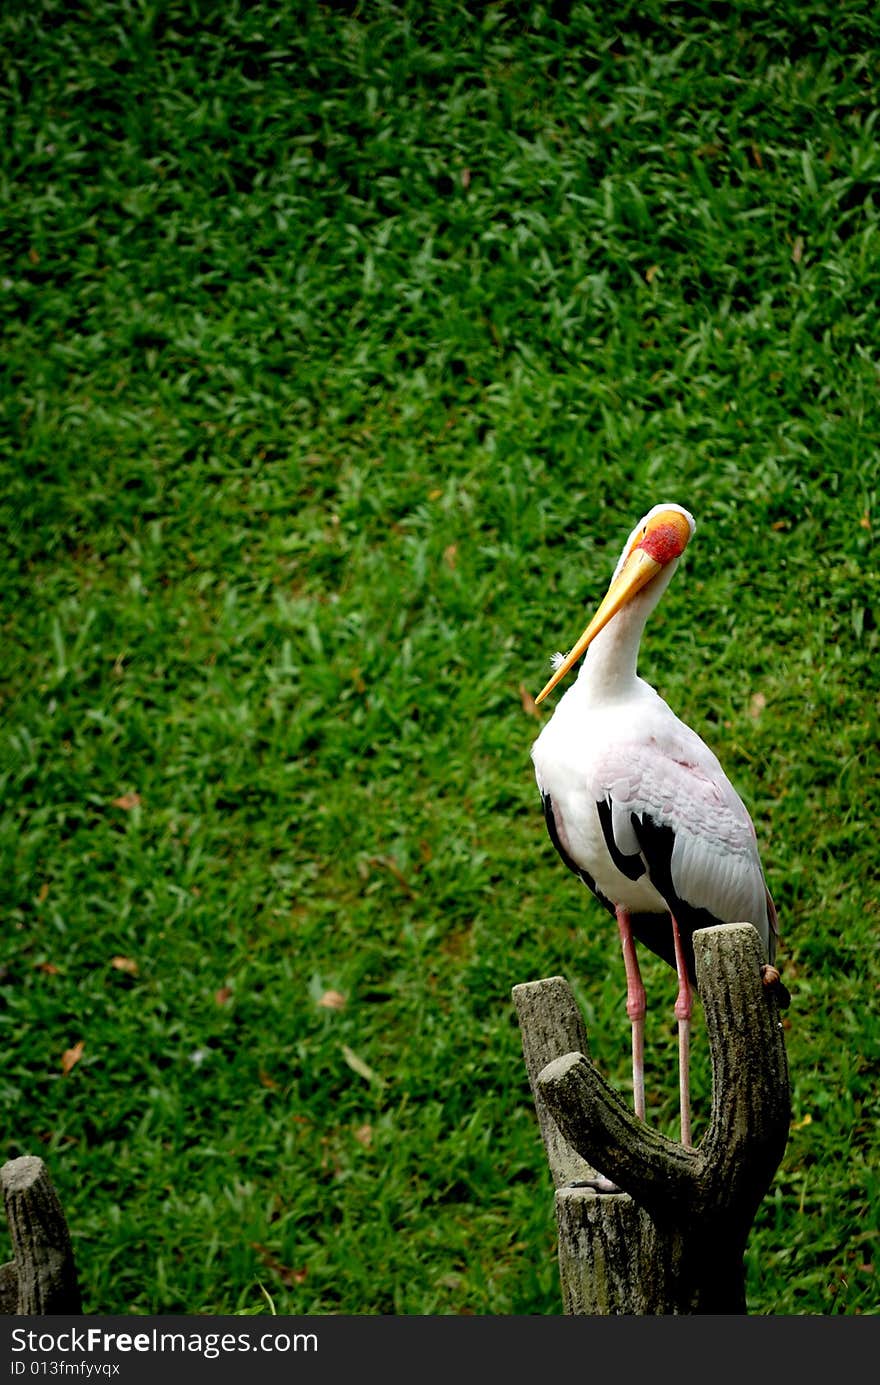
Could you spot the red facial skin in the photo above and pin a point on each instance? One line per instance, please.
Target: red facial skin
(663, 543)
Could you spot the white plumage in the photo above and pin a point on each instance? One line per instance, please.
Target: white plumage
(637, 756)
(636, 803)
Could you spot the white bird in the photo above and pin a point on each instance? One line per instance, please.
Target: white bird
(637, 804)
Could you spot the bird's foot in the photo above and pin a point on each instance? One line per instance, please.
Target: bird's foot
(599, 1184)
(771, 978)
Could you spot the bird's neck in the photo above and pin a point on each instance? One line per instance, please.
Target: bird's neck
(609, 669)
(608, 673)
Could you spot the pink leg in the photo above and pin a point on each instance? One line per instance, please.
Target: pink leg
(683, 1009)
(635, 1008)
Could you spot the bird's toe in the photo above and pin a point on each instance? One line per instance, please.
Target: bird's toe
(772, 979)
(599, 1184)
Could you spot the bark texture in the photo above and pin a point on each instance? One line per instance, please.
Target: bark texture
(41, 1279)
(672, 1240)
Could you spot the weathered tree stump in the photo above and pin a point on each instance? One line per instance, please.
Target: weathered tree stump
(41, 1279)
(672, 1241)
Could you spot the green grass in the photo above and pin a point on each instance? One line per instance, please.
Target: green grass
(343, 346)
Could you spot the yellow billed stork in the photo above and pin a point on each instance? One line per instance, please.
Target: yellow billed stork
(637, 804)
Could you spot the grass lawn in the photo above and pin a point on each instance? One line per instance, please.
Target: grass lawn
(343, 346)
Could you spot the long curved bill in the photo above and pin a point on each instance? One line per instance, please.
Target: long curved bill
(636, 573)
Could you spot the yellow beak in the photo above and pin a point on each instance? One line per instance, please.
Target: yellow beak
(667, 533)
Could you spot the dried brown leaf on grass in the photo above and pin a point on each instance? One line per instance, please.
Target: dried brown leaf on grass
(71, 1056)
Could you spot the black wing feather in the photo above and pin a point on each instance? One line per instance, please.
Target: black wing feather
(656, 842)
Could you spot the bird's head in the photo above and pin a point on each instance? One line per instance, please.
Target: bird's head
(656, 543)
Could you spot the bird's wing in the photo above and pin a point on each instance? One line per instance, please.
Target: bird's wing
(668, 801)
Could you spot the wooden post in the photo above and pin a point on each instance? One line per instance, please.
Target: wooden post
(41, 1279)
(672, 1240)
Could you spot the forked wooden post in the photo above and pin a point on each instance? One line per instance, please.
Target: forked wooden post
(41, 1278)
(673, 1240)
